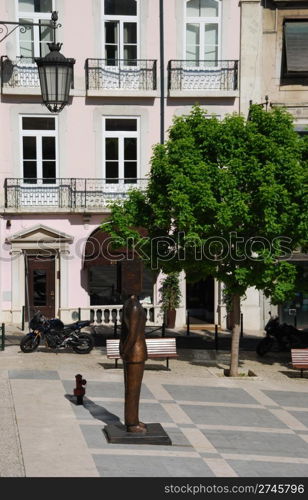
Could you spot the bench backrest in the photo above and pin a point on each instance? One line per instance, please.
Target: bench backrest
(299, 356)
(155, 347)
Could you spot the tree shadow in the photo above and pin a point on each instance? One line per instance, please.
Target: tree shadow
(221, 358)
(150, 367)
(98, 412)
(281, 357)
(294, 374)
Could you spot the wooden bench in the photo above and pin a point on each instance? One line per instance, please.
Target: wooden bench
(300, 359)
(157, 348)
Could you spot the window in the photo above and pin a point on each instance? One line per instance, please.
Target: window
(202, 31)
(120, 32)
(38, 149)
(295, 48)
(33, 42)
(121, 150)
(106, 282)
(110, 281)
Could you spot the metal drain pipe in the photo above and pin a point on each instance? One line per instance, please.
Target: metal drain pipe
(162, 71)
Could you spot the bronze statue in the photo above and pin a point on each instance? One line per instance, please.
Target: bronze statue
(133, 352)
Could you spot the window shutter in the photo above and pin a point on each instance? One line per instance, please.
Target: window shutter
(296, 43)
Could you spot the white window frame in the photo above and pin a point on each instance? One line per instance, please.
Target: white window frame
(202, 22)
(120, 135)
(39, 134)
(34, 17)
(121, 20)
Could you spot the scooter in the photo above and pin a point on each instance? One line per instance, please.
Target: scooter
(56, 335)
(282, 336)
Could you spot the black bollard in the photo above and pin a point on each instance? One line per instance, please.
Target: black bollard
(115, 326)
(216, 337)
(23, 318)
(187, 324)
(163, 329)
(242, 332)
(2, 337)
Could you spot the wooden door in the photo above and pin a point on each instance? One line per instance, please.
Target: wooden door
(41, 285)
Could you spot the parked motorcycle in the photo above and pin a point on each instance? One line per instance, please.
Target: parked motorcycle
(56, 335)
(282, 336)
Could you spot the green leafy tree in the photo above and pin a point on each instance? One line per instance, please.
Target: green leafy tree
(226, 199)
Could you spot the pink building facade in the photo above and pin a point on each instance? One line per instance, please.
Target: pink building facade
(60, 171)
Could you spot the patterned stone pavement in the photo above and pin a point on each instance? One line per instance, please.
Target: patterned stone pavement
(219, 426)
(215, 431)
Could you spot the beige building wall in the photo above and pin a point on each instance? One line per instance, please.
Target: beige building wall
(250, 53)
(261, 75)
(261, 56)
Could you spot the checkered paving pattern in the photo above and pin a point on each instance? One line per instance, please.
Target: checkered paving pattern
(216, 431)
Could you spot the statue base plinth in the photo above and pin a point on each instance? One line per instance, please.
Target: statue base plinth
(117, 433)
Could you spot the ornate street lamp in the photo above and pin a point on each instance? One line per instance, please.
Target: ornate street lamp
(56, 77)
(55, 70)
(56, 74)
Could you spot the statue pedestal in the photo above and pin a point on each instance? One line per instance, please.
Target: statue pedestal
(116, 433)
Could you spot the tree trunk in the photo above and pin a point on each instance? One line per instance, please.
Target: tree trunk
(236, 330)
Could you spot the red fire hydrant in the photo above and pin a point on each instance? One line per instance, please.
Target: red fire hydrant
(79, 391)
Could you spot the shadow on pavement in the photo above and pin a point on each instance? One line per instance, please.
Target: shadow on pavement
(294, 375)
(148, 366)
(98, 412)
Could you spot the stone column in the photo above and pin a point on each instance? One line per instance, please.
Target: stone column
(158, 314)
(222, 313)
(181, 311)
(266, 309)
(18, 284)
(64, 284)
(250, 54)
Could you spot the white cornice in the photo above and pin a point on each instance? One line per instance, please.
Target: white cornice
(51, 234)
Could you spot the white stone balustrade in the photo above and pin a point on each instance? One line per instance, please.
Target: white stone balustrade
(107, 315)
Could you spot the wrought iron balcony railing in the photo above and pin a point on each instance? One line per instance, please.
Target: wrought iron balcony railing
(203, 75)
(20, 72)
(67, 193)
(128, 74)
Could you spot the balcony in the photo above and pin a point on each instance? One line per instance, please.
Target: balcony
(203, 78)
(66, 195)
(121, 77)
(19, 76)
